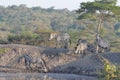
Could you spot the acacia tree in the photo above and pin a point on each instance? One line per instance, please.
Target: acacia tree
(100, 9)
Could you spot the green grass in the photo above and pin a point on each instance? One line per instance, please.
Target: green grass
(3, 50)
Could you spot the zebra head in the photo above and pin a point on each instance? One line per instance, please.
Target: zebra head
(81, 46)
(52, 36)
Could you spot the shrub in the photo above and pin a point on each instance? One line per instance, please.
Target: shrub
(110, 71)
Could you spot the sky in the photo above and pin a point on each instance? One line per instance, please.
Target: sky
(58, 4)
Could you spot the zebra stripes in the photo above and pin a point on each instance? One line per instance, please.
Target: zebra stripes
(101, 43)
(62, 38)
(28, 60)
(81, 47)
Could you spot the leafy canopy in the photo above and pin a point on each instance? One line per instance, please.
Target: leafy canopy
(99, 5)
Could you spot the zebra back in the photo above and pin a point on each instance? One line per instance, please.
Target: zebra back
(63, 37)
(103, 44)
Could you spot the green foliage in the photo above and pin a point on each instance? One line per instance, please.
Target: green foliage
(74, 35)
(28, 38)
(23, 38)
(98, 5)
(3, 50)
(85, 16)
(110, 2)
(21, 18)
(115, 10)
(23, 25)
(91, 7)
(110, 71)
(102, 6)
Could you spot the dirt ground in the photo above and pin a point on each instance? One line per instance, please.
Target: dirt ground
(57, 60)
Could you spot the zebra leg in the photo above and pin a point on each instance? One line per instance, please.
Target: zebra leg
(28, 65)
(82, 53)
(77, 51)
(62, 44)
(56, 44)
(44, 65)
(97, 49)
(59, 44)
(66, 45)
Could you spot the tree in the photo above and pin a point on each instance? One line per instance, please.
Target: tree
(98, 9)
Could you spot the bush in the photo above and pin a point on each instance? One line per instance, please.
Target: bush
(110, 71)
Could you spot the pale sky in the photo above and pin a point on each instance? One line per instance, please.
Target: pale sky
(58, 4)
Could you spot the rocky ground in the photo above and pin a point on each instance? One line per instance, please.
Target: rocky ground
(57, 60)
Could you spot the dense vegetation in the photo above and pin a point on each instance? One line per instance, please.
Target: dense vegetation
(23, 25)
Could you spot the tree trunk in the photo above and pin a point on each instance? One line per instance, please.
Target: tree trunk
(98, 29)
(99, 26)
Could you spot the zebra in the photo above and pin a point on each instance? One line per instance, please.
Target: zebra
(81, 47)
(30, 63)
(102, 44)
(27, 59)
(62, 38)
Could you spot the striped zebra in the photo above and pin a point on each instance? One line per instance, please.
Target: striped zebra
(102, 44)
(28, 60)
(81, 47)
(62, 39)
(30, 63)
